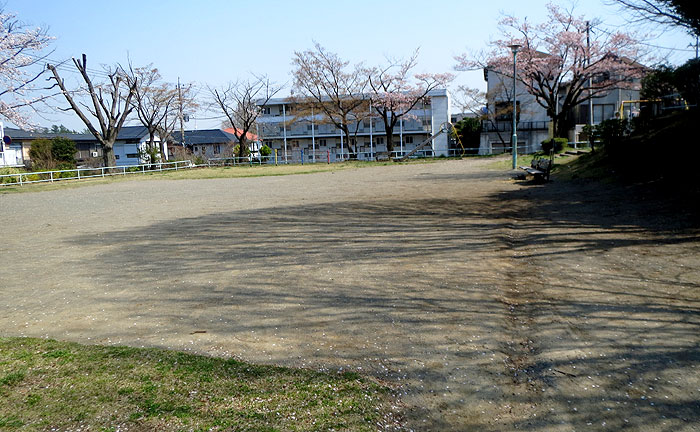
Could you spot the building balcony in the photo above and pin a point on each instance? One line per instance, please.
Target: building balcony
(508, 126)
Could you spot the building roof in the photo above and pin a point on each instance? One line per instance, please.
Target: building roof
(125, 133)
(249, 135)
(205, 136)
(19, 134)
(132, 132)
(288, 100)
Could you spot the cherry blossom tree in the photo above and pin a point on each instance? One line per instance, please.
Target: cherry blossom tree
(555, 64)
(326, 84)
(394, 92)
(20, 51)
(154, 103)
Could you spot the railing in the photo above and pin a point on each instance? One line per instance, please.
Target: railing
(300, 157)
(85, 173)
(521, 126)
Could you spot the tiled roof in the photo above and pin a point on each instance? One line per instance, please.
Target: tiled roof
(125, 133)
(205, 136)
(249, 135)
(19, 134)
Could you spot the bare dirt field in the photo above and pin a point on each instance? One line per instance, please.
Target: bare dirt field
(488, 303)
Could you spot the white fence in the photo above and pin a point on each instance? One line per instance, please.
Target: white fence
(85, 173)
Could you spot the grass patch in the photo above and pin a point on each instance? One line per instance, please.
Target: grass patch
(46, 384)
(506, 163)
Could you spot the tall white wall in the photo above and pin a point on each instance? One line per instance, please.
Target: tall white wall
(440, 105)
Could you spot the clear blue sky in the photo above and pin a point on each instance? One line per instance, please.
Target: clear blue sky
(215, 41)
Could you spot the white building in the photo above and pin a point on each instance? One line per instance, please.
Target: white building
(533, 123)
(316, 139)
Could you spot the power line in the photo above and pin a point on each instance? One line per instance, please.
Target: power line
(650, 45)
(61, 65)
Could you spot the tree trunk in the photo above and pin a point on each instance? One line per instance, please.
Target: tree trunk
(242, 145)
(557, 122)
(108, 157)
(389, 140)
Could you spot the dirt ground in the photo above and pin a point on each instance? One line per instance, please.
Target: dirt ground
(488, 303)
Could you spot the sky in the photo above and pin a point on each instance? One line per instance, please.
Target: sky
(212, 42)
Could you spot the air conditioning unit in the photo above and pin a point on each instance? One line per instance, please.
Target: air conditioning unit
(94, 154)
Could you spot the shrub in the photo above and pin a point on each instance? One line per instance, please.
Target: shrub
(66, 166)
(63, 151)
(556, 144)
(611, 132)
(265, 151)
(12, 179)
(41, 154)
(236, 148)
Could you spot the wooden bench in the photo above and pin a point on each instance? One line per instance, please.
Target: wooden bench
(539, 168)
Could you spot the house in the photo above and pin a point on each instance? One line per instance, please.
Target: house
(252, 139)
(87, 145)
(533, 123)
(208, 143)
(130, 141)
(279, 129)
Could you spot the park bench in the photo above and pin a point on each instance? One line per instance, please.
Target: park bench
(539, 168)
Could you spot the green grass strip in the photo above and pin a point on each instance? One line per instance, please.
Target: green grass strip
(49, 385)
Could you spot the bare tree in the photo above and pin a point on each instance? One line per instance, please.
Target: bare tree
(325, 84)
(241, 103)
(109, 106)
(19, 52)
(395, 92)
(682, 13)
(186, 100)
(153, 100)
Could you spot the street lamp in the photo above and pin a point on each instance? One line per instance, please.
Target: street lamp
(514, 138)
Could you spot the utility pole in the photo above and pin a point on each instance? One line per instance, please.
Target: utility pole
(590, 78)
(182, 119)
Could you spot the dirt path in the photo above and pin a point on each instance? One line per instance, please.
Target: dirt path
(485, 312)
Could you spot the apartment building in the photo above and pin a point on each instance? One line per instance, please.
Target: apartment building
(313, 137)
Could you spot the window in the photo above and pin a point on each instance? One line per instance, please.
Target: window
(265, 110)
(365, 124)
(217, 148)
(380, 140)
(308, 127)
(603, 112)
(504, 111)
(132, 155)
(116, 156)
(408, 140)
(321, 142)
(281, 129)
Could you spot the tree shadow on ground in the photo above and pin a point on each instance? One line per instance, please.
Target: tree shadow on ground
(413, 291)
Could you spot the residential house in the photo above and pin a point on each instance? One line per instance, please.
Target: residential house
(207, 143)
(533, 123)
(130, 141)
